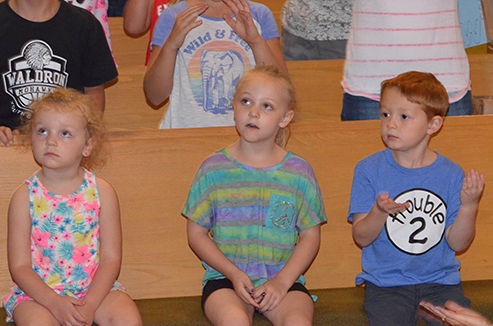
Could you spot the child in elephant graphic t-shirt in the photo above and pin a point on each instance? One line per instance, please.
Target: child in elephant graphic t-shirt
(200, 50)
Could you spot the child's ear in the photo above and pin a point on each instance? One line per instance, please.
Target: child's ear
(435, 124)
(286, 119)
(88, 148)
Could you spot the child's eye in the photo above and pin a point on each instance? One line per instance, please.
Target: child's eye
(385, 114)
(66, 134)
(245, 101)
(267, 107)
(405, 117)
(42, 131)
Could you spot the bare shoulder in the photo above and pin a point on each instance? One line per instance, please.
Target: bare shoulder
(19, 207)
(105, 189)
(21, 195)
(104, 185)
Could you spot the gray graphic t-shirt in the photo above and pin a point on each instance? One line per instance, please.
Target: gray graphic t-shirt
(208, 66)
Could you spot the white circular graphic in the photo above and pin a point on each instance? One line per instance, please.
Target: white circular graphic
(420, 227)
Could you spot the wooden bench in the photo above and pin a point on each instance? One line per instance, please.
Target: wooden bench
(152, 171)
(317, 84)
(334, 307)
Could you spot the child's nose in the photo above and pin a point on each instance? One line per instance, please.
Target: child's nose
(254, 111)
(392, 123)
(51, 140)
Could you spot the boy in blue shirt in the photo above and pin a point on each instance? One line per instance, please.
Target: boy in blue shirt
(411, 208)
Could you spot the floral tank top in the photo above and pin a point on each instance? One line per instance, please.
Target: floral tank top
(64, 239)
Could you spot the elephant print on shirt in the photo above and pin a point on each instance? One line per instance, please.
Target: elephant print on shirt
(221, 71)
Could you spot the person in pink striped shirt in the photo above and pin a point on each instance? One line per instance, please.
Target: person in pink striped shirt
(389, 37)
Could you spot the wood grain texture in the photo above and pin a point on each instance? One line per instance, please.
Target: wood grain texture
(128, 51)
(152, 172)
(317, 84)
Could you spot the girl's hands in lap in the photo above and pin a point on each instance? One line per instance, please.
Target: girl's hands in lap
(270, 294)
(87, 312)
(65, 311)
(244, 288)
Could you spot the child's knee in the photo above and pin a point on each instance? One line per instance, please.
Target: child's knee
(300, 318)
(118, 309)
(31, 313)
(233, 319)
(130, 320)
(231, 316)
(36, 321)
(122, 317)
(295, 317)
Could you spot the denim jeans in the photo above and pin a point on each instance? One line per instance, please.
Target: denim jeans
(297, 48)
(399, 305)
(363, 108)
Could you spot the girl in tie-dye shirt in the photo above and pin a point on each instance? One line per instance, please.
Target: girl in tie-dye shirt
(263, 208)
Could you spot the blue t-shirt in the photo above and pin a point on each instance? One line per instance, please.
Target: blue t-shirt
(411, 249)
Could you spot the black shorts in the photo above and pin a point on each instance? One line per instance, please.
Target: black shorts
(223, 283)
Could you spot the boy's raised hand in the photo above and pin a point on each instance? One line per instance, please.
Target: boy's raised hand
(460, 234)
(367, 227)
(472, 188)
(387, 205)
(185, 22)
(243, 26)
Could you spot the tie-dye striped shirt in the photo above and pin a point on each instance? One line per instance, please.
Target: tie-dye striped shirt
(255, 214)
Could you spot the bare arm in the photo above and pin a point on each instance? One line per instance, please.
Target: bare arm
(367, 226)
(460, 234)
(20, 263)
(96, 94)
(110, 251)
(265, 52)
(303, 255)
(202, 245)
(158, 79)
(137, 16)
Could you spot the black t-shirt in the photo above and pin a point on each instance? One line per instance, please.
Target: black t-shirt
(70, 50)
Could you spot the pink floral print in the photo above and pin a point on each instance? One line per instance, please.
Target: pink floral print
(64, 240)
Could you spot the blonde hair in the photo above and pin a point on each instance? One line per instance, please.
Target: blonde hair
(68, 100)
(286, 84)
(421, 88)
